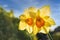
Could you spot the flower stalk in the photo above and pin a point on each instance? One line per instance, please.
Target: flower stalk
(49, 36)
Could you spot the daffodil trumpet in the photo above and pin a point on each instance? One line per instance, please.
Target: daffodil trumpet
(36, 20)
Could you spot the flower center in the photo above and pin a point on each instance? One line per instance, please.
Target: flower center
(29, 21)
(39, 22)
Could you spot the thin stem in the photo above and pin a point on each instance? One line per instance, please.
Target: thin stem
(49, 36)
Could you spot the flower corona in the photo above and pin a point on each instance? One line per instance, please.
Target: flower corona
(39, 22)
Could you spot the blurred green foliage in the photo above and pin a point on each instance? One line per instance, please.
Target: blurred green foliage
(9, 27)
(56, 34)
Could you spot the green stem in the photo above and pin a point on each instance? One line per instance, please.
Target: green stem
(33, 37)
(49, 36)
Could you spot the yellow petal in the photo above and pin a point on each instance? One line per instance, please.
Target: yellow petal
(38, 13)
(32, 14)
(45, 29)
(27, 14)
(22, 17)
(47, 24)
(32, 9)
(35, 30)
(22, 25)
(29, 28)
(45, 11)
(51, 21)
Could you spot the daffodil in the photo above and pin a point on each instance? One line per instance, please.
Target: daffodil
(36, 20)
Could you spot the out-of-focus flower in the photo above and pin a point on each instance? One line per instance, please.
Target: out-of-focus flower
(36, 20)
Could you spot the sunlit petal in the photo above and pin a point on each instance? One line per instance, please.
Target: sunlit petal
(27, 14)
(45, 11)
(22, 25)
(49, 20)
(35, 30)
(32, 14)
(45, 29)
(32, 9)
(38, 13)
(22, 17)
(29, 28)
(47, 24)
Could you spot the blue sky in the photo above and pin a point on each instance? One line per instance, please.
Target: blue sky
(19, 5)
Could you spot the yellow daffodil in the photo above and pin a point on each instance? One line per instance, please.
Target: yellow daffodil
(36, 20)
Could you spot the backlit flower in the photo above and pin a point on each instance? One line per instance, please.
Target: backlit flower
(36, 20)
